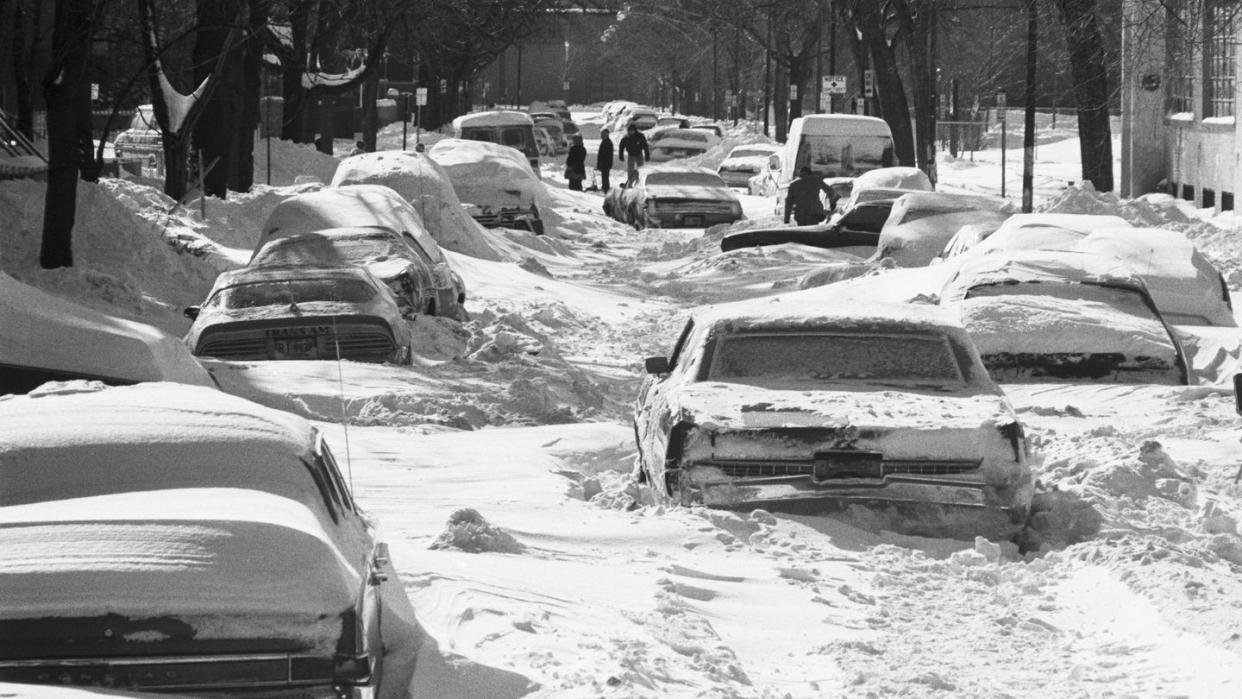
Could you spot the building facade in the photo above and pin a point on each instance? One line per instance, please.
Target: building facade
(1179, 100)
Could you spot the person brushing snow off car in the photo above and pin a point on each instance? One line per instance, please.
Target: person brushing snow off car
(803, 198)
(634, 144)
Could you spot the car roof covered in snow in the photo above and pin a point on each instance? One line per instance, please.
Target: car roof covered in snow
(944, 201)
(78, 440)
(47, 332)
(341, 207)
(476, 166)
(1080, 223)
(500, 117)
(298, 272)
(899, 177)
(786, 311)
(676, 168)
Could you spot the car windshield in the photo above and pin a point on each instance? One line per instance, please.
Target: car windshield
(519, 137)
(644, 121)
(335, 250)
(836, 357)
(1125, 300)
(680, 135)
(747, 153)
(285, 292)
(843, 156)
(693, 179)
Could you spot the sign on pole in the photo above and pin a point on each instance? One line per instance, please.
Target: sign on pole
(869, 83)
(420, 97)
(793, 91)
(834, 84)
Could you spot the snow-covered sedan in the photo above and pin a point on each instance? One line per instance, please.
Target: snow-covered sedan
(1060, 316)
(746, 161)
(674, 195)
(166, 538)
(438, 290)
(671, 144)
(493, 183)
(299, 312)
(805, 406)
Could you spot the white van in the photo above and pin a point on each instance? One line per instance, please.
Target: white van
(833, 145)
(508, 128)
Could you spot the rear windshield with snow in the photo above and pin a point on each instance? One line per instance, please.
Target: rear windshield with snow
(693, 179)
(519, 137)
(283, 293)
(836, 357)
(749, 153)
(1125, 300)
(680, 135)
(644, 121)
(843, 156)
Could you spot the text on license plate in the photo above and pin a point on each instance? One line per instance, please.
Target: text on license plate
(295, 346)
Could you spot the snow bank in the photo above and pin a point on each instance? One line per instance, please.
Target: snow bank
(425, 184)
(734, 137)
(291, 162)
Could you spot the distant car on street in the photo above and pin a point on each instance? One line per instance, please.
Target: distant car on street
(556, 130)
(671, 144)
(920, 224)
(814, 408)
(142, 139)
(511, 129)
(179, 540)
(299, 312)
(674, 195)
(746, 161)
(494, 187)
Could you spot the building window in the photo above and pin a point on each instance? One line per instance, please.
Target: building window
(1179, 81)
(1219, 59)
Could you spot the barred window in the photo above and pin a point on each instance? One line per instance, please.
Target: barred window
(1219, 58)
(1179, 83)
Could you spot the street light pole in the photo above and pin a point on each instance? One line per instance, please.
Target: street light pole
(1028, 137)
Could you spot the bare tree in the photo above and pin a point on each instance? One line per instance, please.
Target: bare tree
(1090, 73)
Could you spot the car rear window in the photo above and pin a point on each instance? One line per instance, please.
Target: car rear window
(680, 135)
(695, 179)
(1127, 300)
(285, 292)
(836, 357)
(328, 251)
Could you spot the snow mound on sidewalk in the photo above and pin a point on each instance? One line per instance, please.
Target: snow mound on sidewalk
(469, 531)
(291, 161)
(130, 260)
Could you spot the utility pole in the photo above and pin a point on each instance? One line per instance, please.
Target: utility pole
(715, 79)
(767, 76)
(1028, 137)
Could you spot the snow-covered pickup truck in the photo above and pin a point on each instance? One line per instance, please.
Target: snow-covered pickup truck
(169, 538)
(813, 408)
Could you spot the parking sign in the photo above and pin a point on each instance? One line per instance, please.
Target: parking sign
(420, 97)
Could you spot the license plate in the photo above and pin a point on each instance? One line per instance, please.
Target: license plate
(848, 464)
(694, 220)
(295, 347)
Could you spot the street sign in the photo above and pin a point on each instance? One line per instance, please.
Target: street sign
(443, 85)
(420, 97)
(793, 91)
(1000, 99)
(860, 106)
(834, 84)
(869, 83)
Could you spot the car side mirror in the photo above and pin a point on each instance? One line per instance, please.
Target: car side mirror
(656, 365)
(192, 312)
(774, 163)
(1237, 391)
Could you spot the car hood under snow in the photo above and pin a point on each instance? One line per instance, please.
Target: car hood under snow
(745, 406)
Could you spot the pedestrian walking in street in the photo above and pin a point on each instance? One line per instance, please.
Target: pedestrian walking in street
(803, 198)
(634, 144)
(575, 164)
(603, 159)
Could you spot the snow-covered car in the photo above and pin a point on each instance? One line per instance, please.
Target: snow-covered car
(299, 312)
(896, 177)
(920, 224)
(832, 236)
(676, 122)
(613, 109)
(555, 128)
(1064, 316)
(173, 539)
(373, 206)
(382, 251)
(143, 138)
(492, 183)
(643, 118)
(543, 139)
(711, 128)
(670, 144)
(511, 129)
(1187, 288)
(765, 183)
(812, 407)
(674, 195)
(1043, 232)
(47, 338)
(746, 161)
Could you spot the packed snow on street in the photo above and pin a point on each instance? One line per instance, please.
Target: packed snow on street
(500, 464)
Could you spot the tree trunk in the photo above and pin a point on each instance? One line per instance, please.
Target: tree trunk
(799, 74)
(370, 113)
(216, 135)
(892, 94)
(780, 99)
(21, 64)
(1090, 74)
(299, 107)
(325, 111)
(252, 90)
(65, 90)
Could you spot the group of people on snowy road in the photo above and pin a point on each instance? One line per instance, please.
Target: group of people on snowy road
(634, 144)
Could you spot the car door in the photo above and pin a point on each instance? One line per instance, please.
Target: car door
(439, 292)
(652, 410)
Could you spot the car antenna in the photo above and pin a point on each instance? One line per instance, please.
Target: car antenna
(340, 386)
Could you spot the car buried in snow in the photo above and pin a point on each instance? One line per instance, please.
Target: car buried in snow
(299, 312)
(1064, 316)
(746, 161)
(494, 185)
(670, 144)
(814, 408)
(172, 539)
(674, 195)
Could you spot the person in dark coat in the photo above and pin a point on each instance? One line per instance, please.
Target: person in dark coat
(575, 164)
(803, 198)
(634, 144)
(603, 160)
